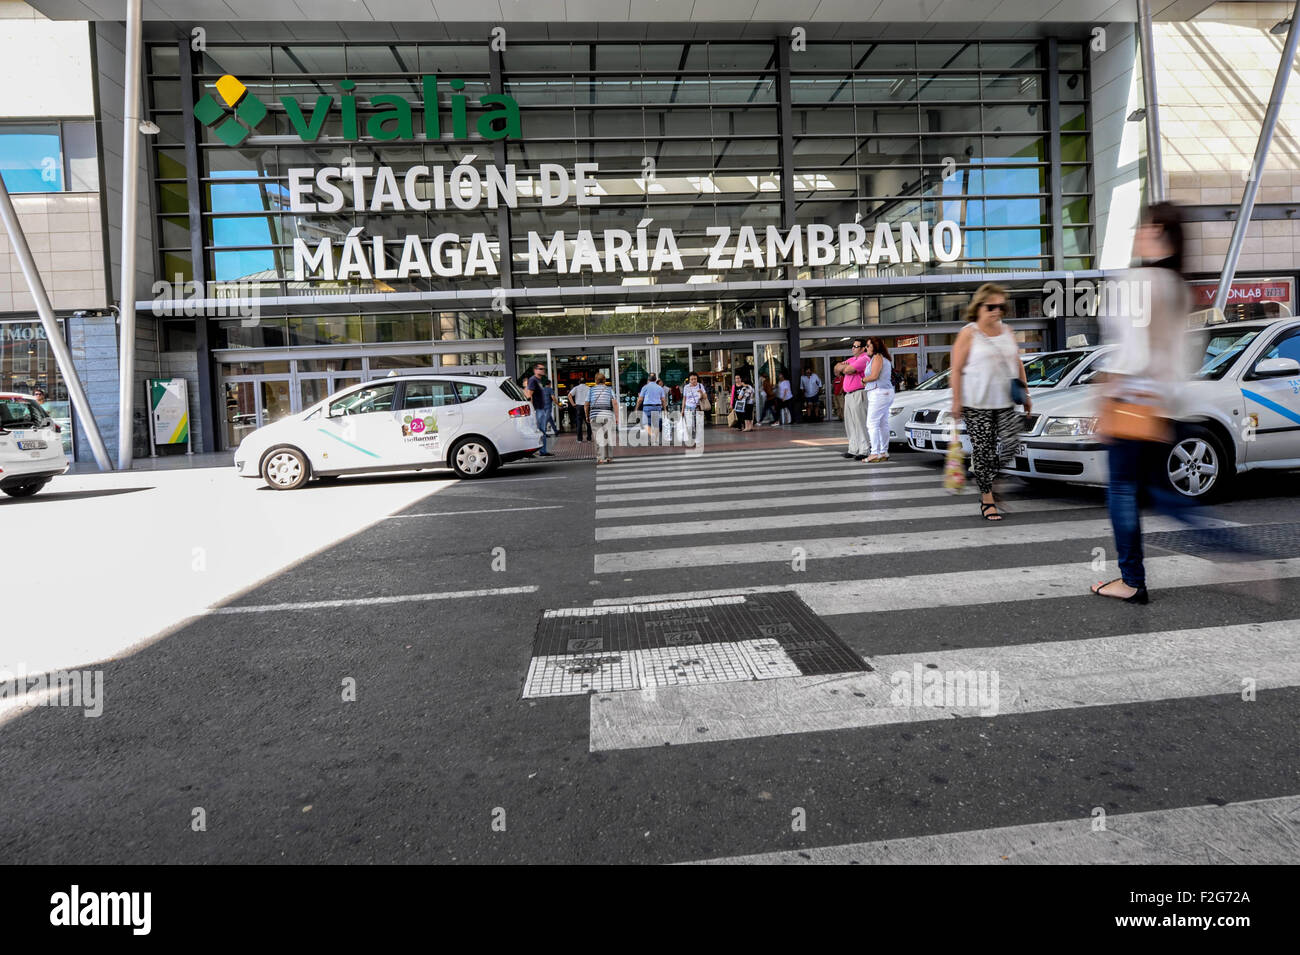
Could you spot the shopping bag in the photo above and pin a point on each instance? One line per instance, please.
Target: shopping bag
(1134, 421)
(704, 403)
(954, 466)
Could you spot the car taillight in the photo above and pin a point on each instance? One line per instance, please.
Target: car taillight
(521, 411)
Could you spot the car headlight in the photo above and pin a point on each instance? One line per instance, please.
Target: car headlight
(896, 411)
(945, 417)
(1071, 427)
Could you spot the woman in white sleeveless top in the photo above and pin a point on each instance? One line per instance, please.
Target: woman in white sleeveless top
(985, 358)
(879, 385)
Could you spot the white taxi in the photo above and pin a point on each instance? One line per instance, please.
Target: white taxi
(930, 427)
(31, 449)
(905, 402)
(469, 423)
(1240, 412)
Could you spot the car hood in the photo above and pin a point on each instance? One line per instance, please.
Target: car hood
(1079, 401)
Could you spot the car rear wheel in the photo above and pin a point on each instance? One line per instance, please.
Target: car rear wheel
(1197, 466)
(284, 469)
(472, 458)
(25, 490)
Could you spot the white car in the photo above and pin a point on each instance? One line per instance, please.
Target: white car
(31, 448)
(905, 402)
(469, 423)
(1240, 412)
(930, 426)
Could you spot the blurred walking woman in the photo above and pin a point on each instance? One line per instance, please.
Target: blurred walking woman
(602, 416)
(1144, 373)
(985, 363)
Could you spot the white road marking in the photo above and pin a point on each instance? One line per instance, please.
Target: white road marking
(823, 548)
(486, 510)
(370, 601)
(1030, 678)
(749, 477)
(1259, 831)
(929, 476)
(759, 498)
(636, 462)
(744, 525)
(996, 585)
(809, 458)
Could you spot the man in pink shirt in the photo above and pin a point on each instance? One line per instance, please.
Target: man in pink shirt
(855, 400)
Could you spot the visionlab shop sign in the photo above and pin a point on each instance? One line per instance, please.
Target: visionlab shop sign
(424, 188)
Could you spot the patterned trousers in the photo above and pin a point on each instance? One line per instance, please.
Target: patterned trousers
(994, 433)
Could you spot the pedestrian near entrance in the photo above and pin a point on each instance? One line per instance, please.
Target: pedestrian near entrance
(578, 397)
(855, 401)
(602, 417)
(535, 391)
(985, 362)
(651, 403)
(1143, 376)
(785, 399)
(694, 402)
(837, 396)
(811, 387)
(743, 404)
(880, 395)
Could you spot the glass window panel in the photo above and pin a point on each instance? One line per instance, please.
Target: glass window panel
(31, 157)
(1009, 181)
(397, 328)
(171, 129)
(174, 232)
(884, 88)
(896, 309)
(654, 56)
(455, 59)
(1076, 211)
(950, 118)
(165, 59)
(823, 56)
(170, 163)
(1074, 149)
(177, 263)
(1074, 118)
(1069, 56)
(165, 94)
(890, 151)
(998, 212)
(962, 149)
(540, 90)
(429, 394)
(1074, 179)
(744, 121)
(1015, 149)
(1077, 241)
(1010, 56)
(328, 364)
(812, 88)
(830, 120)
(238, 61)
(82, 157)
(383, 58)
(1014, 119)
(544, 58)
(1012, 86)
(297, 58)
(250, 160)
(884, 56)
(742, 56)
(1073, 86)
(1006, 243)
(888, 119)
(548, 124)
(947, 56)
(947, 87)
(233, 266)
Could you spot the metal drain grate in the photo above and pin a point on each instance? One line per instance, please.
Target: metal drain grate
(718, 640)
(1254, 542)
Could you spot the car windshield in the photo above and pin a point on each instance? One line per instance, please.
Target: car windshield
(1047, 370)
(513, 390)
(938, 381)
(22, 413)
(1215, 349)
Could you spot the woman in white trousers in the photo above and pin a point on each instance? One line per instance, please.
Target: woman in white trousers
(879, 383)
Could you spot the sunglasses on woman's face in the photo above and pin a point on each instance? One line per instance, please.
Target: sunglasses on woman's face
(999, 307)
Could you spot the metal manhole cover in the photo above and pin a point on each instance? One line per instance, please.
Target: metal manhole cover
(1253, 542)
(675, 643)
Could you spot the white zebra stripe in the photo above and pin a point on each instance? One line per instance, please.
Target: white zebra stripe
(757, 500)
(1025, 678)
(748, 477)
(926, 476)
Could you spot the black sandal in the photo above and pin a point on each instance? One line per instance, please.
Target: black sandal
(984, 511)
(1140, 596)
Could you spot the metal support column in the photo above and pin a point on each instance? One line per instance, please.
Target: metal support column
(207, 395)
(508, 346)
(1155, 165)
(1261, 154)
(126, 286)
(62, 357)
(786, 120)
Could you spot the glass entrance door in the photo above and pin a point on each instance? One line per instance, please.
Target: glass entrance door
(631, 371)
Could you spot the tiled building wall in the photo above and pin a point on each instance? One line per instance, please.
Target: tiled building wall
(1215, 75)
(63, 231)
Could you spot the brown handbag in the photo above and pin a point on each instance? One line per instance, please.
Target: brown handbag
(1132, 421)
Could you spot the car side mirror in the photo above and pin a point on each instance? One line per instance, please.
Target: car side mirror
(338, 411)
(1276, 368)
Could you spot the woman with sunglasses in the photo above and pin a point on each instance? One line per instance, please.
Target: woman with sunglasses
(985, 359)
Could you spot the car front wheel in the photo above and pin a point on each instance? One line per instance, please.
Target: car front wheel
(25, 490)
(1197, 466)
(284, 469)
(472, 458)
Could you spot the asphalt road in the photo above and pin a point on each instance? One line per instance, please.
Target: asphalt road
(438, 759)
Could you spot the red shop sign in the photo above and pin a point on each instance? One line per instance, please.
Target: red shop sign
(1241, 292)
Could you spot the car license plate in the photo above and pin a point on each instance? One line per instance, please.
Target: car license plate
(921, 437)
(32, 445)
(1022, 450)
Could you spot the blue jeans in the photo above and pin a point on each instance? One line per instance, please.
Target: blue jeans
(1137, 472)
(543, 424)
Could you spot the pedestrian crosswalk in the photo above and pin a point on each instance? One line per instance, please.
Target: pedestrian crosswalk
(859, 544)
